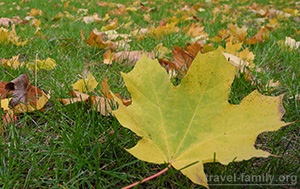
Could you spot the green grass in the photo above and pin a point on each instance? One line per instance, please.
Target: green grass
(75, 147)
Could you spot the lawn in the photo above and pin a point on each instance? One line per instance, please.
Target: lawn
(74, 146)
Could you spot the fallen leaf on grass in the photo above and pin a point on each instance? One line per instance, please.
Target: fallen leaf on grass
(8, 21)
(273, 84)
(183, 58)
(239, 58)
(36, 103)
(161, 51)
(193, 123)
(47, 64)
(5, 103)
(3, 91)
(196, 30)
(19, 87)
(130, 56)
(97, 39)
(76, 97)
(163, 29)
(291, 43)
(237, 34)
(106, 89)
(100, 104)
(108, 57)
(111, 26)
(91, 19)
(25, 97)
(259, 37)
(35, 12)
(87, 84)
(10, 36)
(13, 62)
(108, 94)
(18, 96)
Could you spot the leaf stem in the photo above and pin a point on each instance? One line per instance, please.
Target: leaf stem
(148, 178)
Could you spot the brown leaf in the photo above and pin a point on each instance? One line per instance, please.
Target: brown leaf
(126, 102)
(108, 57)
(24, 97)
(131, 56)
(97, 39)
(102, 105)
(23, 93)
(77, 97)
(3, 91)
(105, 89)
(194, 48)
(182, 58)
(20, 87)
(108, 94)
(5, 21)
(239, 33)
(260, 37)
(196, 30)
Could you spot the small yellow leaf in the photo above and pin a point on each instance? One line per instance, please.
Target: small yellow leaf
(112, 25)
(233, 48)
(10, 36)
(247, 56)
(12, 62)
(164, 29)
(35, 12)
(48, 64)
(5, 103)
(3, 35)
(86, 84)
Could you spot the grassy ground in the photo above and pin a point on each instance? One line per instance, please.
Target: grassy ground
(75, 147)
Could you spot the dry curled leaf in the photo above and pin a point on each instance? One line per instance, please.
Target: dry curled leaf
(100, 104)
(20, 87)
(76, 97)
(97, 39)
(131, 56)
(24, 97)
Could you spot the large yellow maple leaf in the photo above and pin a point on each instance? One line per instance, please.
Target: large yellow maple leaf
(186, 125)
